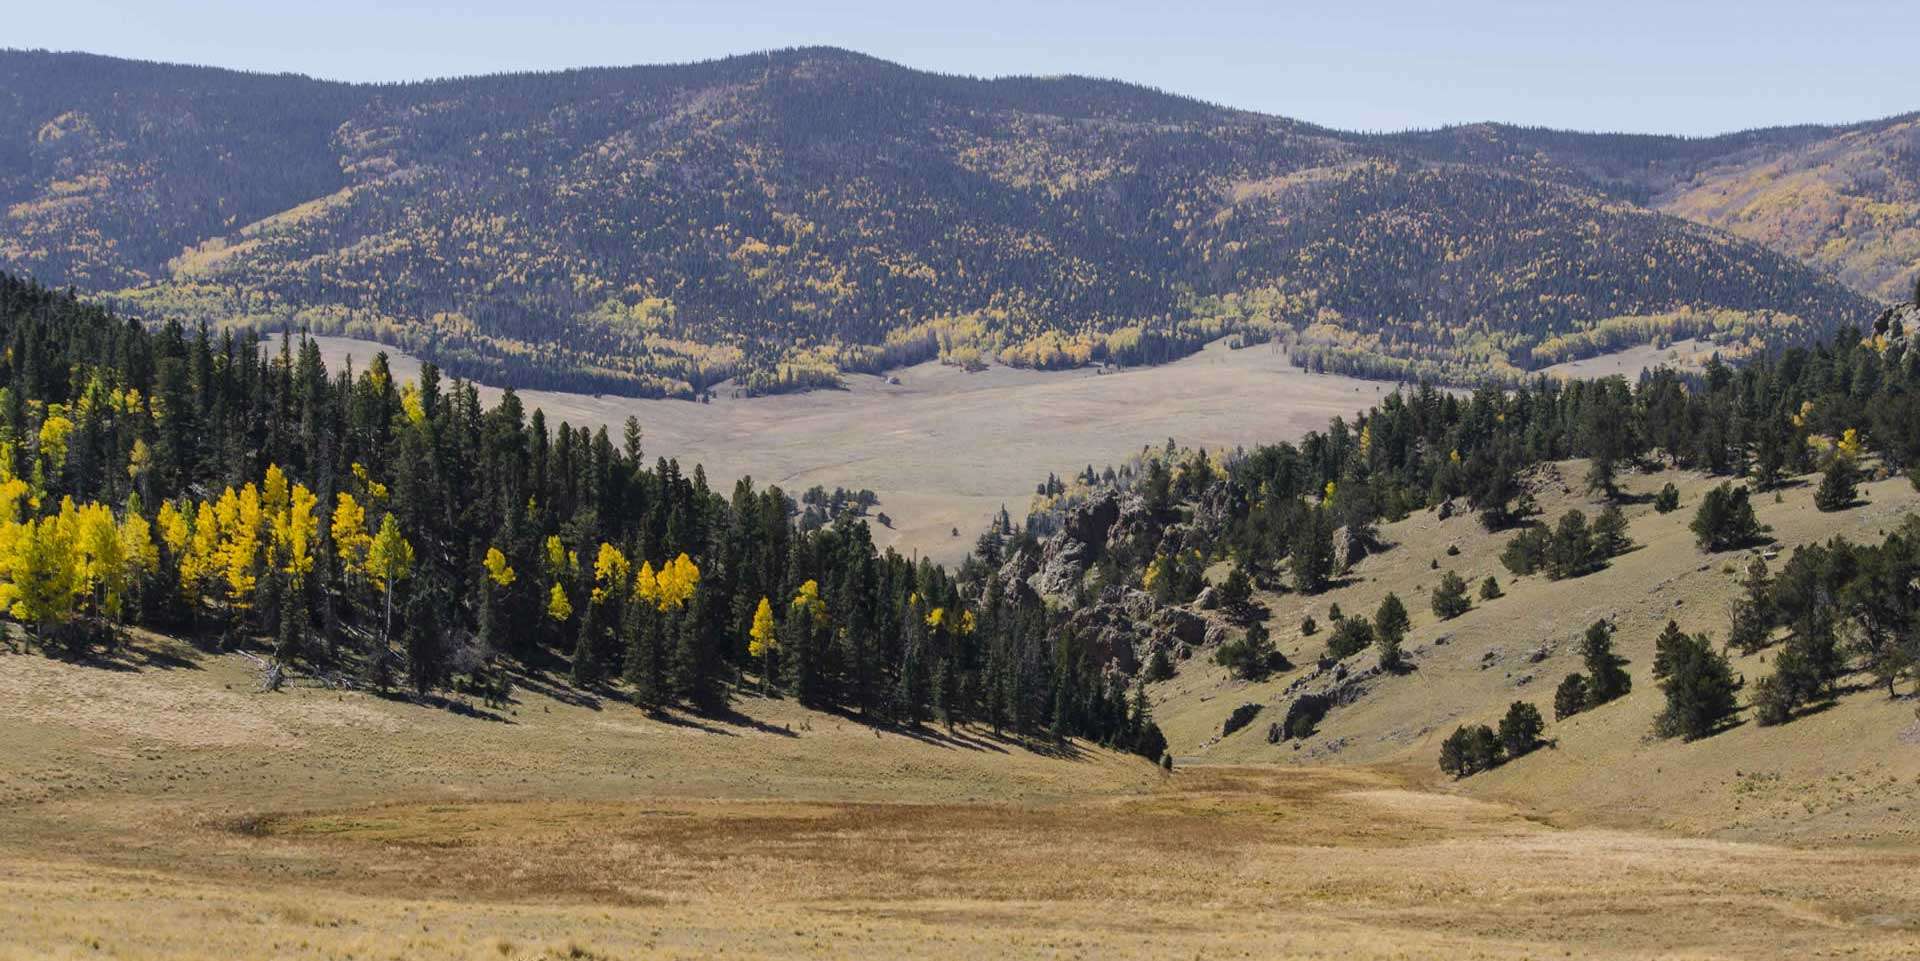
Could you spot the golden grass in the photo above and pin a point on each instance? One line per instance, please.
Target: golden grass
(1215, 863)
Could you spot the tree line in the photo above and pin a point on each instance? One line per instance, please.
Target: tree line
(379, 533)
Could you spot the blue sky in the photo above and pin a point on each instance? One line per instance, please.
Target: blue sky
(1668, 67)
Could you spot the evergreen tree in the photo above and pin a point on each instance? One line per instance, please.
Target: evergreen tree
(1390, 624)
(1520, 729)
(1838, 488)
(1607, 677)
(1450, 597)
(1570, 697)
(1699, 686)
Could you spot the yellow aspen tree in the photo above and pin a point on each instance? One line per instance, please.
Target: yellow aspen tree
(646, 584)
(350, 537)
(761, 641)
(558, 607)
(41, 581)
(497, 567)
(610, 569)
(201, 562)
(389, 561)
(295, 530)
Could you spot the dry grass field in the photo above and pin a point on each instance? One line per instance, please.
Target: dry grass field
(157, 807)
(945, 449)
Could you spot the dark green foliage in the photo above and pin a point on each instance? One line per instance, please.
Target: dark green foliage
(1303, 714)
(1450, 597)
(1236, 592)
(1239, 718)
(1490, 589)
(1470, 750)
(1572, 551)
(1725, 520)
(1351, 636)
(1839, 489)
(463, 478)
(1307, 626)
(1520, 729)
(1610, 533)
(1606, 677)
(1312, 553)
(1698, 683)
(1159, 666)
(1668, 500)
(1527, 553)
(1390, 620)
(1570, 697)
(1251, 656)
(1752, 615)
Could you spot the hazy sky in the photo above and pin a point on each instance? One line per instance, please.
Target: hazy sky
(1676, 66)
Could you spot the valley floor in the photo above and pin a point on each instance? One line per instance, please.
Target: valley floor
(158, 808)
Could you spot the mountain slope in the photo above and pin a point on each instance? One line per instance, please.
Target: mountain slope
(1845, 199)
(783, 217)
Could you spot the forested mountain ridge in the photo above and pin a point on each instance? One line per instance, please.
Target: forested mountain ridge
(783, 217)
(1845, 198)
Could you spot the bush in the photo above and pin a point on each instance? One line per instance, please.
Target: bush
(1352, 636)
(1241, 717)
(1303, 714)
(1490, 589)
(1251, 656)
(1527, 552)
(1668, 500)
(1469, 750)
(1159, 666)
(1307, 626)
(1450, 598)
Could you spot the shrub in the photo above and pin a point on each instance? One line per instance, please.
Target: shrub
(1469, 750)
(1251, 656)
(1307, 626)
(1668, 500)
(1241, 717)
(1352, 636)
(1490, 589)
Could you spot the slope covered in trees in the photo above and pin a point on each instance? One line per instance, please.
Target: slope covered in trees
(1845, 199)
(782, 217)
(377, 533)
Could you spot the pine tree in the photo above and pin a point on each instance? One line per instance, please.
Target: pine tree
(1607, 677)
(1699, 686)
(1570, 697)
(1520, 729)
(1838, 488)
(1390, 624)
(1450, 597)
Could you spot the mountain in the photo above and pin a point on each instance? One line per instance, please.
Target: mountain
(783, 217)
(1844, 199)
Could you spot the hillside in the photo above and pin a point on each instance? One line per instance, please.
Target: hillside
(1844, 774)
(1844, 199)
(776, 219)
